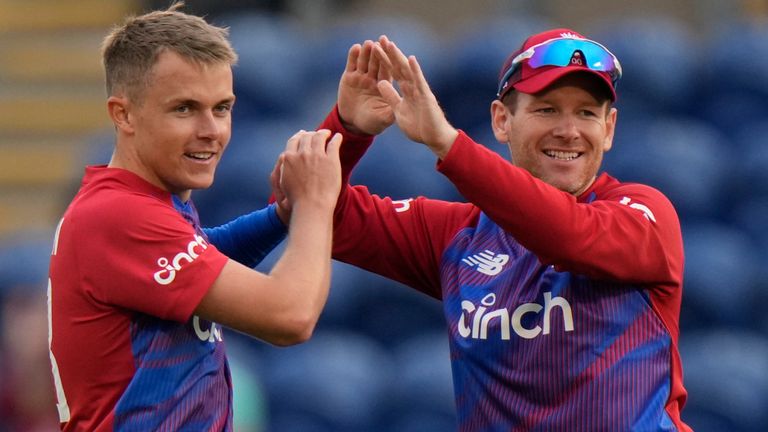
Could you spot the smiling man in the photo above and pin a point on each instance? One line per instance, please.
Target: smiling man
(138, 290)
(561, 285)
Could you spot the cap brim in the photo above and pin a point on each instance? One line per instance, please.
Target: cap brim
(544, 79)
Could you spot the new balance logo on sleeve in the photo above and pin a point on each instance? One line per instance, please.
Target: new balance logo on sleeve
(487, 262)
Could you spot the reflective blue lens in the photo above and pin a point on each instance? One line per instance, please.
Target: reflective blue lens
(566, 52)
(563, 52)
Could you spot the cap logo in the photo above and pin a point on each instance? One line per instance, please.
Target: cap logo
(577, 59)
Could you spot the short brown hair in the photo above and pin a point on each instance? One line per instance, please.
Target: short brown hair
(510, 100)
(131, 49)
(600, 91)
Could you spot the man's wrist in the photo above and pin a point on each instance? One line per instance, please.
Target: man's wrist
(444, 141)
(350, 127)
(283, 214)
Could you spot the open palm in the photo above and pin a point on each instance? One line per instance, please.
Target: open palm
(415, 107)
(361, 106)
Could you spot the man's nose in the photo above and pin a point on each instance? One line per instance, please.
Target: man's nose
(209, 126)
(566, 128)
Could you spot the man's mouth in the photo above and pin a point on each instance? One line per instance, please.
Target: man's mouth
(201, 156)
(562, 155)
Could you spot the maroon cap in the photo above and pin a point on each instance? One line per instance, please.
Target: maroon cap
(533, 80)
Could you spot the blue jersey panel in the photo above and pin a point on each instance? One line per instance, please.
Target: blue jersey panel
(537, 349)
(182, 380)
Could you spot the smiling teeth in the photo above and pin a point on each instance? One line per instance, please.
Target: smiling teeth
(561, 155)
(200, 155)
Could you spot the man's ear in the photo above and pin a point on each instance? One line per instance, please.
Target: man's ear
(610, 126)
(499, 117)
(118, 108)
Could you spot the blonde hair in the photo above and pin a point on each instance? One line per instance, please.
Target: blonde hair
(130, 50)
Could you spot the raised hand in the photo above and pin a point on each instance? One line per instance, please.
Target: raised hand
(417, 112)
(361, 106)
(308, 171)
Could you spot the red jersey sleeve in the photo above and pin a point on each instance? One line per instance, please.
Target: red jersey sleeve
(625, 232)
(142, 255)
(353, 146)
(403, 240)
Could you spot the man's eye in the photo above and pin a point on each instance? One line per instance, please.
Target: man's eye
(182, 109)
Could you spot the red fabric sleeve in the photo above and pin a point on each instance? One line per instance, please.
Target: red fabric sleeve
(129, 264)
(353, 146)
(629, 233)
(403, 240)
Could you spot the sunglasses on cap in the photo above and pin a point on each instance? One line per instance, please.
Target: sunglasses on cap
(566, 52)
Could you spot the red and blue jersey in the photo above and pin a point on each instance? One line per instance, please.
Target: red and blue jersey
(562, 311)
(129, 265)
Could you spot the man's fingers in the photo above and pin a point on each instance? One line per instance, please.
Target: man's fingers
(333, 145)
(365, 57)
(374, 62)
(274, 179)
(354, 53)
(316, 141)
(418, 76)
(384, 41)
(389, 93)
(400, 68)
(274, 175)
(304, 141)
(384, 65)
(279, 168)
(293, 142)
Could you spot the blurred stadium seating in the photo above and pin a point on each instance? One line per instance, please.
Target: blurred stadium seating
(693, 120)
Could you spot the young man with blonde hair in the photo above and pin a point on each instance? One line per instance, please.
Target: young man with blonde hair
(138, 291)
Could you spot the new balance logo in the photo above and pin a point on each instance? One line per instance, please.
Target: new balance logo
(487, 262)
(569, 35)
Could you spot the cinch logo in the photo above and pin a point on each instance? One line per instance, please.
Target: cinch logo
(402, 205)
(627, 201)
(487, 263)
(169, 269)
(481, 318)
(212, 334)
